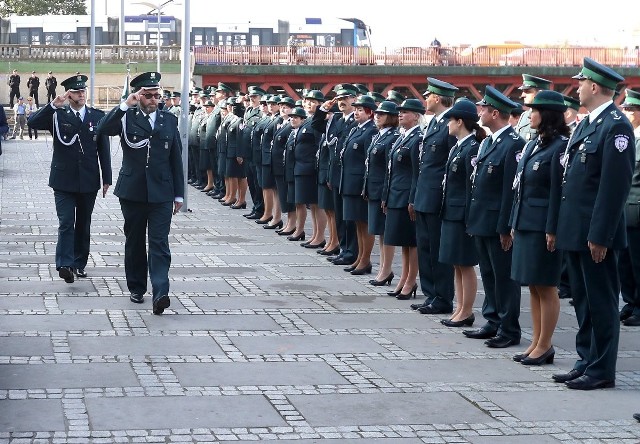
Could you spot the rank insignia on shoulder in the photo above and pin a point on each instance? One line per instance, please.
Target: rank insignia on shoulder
(304, 130)
(355, 146)
(518, 156)
(615, 115)
(498, 140)
(622, 142)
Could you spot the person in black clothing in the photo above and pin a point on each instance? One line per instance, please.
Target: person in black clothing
(14, 87)
(50, 84)
(33, 84)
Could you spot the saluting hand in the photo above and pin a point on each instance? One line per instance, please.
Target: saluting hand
(58, 102)
(132, 100)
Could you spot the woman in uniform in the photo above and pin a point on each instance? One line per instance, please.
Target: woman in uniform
(456, 246)
(221, 139)
(268, 182)
(386, 120)
(296, 119)
(400, 227)
(278, 149)
(354, 153)
(533, 220)
(235, 167)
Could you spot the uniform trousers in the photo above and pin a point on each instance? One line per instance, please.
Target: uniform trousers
(595, 290)
(51, 95)
(346, 229)
(140, 217)
(629, 268)
(74, 228)
(501, 306)
(436, 278)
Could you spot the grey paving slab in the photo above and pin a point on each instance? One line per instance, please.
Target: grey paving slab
(52, 376)
(365, 301)
(278, 249)
(21, 303)
(258, 259)
(210, 322)
(217, 286)
(31, 415)
(452, 342)
(229, 239)
(55, 322)
(221, 271)
(371, 321)
(453, 370)
(108, 303)
(257, 373)
(9, 247)
(25, 346)
(353, 441)
(27, 258)
(387, 408)
(22, 272)
(567, 340)
(310, 285)
(306, 344)
(526, 439)
(253, 302)
(144, 346)
(48, 287)
(568, 405)
(182, 412)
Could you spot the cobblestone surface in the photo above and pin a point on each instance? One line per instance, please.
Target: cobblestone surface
(264, 341)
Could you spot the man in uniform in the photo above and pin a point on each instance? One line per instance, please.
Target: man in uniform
(14, 87)
(598, 168)
(489, 212)
(425, 200)
(195, 109)
(252, 115)
(530, 87)
(33, 84)
(50, 83)
(629, 267)
(175, 109)
(222, 92)
(571, 114)
(150, 185)
(79, 156)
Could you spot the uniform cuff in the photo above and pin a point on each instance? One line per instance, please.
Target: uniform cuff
(179, 199)
(124, 106)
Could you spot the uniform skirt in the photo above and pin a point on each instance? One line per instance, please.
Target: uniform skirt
(268, 181)
(399, 230)
(306, 189)
(204, 161)
(376, 217)
(222, 166)
(532, 263)
(282, 187)
(325, 198)
(234, 169)
(456, 246)
(258, 169)
(213, 161)
(291, 193)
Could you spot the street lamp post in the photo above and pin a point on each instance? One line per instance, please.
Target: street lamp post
(158, 8)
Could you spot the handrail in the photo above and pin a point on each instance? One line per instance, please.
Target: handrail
(488, 55)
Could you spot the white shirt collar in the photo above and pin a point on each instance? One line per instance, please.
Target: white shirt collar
(461, 141)
(407, 132)
(593, 115)
(495, 135)
(82, 111)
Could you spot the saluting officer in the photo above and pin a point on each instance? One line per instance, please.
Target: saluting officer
(598, 167)
(489, 212)
(436, 278)
(530, 87)
(75, 173)
(150, 185)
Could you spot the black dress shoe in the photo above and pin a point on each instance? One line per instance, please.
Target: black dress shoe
(520, 356)
(564, 377)
(320, 245)
(286, 233)
(501, 342)
(480, 333)
(212, 194)
(304, 244)
(361, 271)
(418, 305)
(241, 206)
(430, 309)
(137, 298)
(343, 261)
(80, 273)
(273, 227)
(228, 204)
(249, 214)
(254, 216)
(385, 281)
(333, 258)
(299, 237)
(626, 311)
(329, 252)
(636, 416)
(468, 322)
(545, 358)
(265, 221)
(350, 268)
(394, 293)
(160, 304)
(412, 293)
(66, 273)
(586, 382)
(632, 321)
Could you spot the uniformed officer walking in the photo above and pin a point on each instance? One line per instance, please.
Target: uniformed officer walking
(150, 185)
(530, 87)
(50, 83)
(598, 167)
(80, 156)
(33, 84)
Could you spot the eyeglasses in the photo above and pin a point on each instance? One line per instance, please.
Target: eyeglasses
(150, 96)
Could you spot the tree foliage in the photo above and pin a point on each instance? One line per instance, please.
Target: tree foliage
(42, 7)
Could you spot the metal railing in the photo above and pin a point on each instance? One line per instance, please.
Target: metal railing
(497, 55)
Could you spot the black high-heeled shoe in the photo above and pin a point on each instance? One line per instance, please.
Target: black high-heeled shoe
(385, 281)
(273, 227)
(412, 293)
(468, 322)
(320, 245)
(520, 356)
(286, 233)
(266, 221)
(228, 204)
(329, 252)
(296, 238)
(350, 268)
(242, 206)
(394, 292)
(545, 358)
(361, 271)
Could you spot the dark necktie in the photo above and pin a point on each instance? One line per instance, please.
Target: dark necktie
(78, 116)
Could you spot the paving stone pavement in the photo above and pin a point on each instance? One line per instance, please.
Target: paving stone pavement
(264, 340)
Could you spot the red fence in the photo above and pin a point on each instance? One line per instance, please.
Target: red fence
(414, 56)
